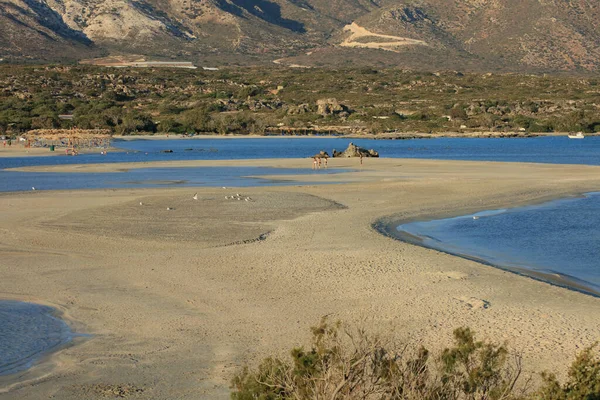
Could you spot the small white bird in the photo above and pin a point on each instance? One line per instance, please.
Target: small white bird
(224, 187)
(475, 217)
(237, 194)
(195, 196)
(226, 197)
(247, 199)
(141, 204)
(32, 188)
(170, 209)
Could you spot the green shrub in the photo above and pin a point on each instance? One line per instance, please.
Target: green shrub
(347, 363)
(343, 363)
(583, 381)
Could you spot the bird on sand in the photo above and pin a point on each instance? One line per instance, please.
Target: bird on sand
(195, 196)
(170, 209)
(141, 204)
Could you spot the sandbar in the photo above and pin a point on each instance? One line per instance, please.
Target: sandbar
(179, 299)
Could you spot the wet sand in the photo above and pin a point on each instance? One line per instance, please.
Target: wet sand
(21, 151)
(178, 300)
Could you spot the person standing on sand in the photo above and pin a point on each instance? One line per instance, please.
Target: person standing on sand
(361, 158)
(319, 162)
(325, 162)
(314, 163)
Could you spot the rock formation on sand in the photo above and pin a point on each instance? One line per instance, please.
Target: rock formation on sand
(355, 151)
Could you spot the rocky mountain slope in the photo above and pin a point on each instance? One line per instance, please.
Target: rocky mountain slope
(475, 34)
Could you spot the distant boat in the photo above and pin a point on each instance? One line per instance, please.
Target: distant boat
(578, 135)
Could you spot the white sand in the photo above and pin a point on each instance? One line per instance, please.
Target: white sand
(179, 300)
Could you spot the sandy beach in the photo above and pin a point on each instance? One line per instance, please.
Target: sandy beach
(177, 301)
(22, 151)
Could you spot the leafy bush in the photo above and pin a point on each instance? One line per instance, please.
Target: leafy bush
(352, 364)
(583, 382)
(458, 113)
(343, 363)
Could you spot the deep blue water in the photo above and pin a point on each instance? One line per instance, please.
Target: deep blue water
(556, 150)
(558, 241)
(28, 332)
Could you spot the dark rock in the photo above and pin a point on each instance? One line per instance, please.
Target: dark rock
(355, 151)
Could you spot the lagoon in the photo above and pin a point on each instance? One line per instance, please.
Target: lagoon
(557, 242)
(27, 333)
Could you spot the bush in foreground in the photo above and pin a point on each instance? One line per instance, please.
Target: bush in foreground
(345, 363)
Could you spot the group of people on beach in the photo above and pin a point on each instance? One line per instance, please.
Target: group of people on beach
(317, 163)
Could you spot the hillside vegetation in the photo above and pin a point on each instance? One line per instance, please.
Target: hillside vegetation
(279, 100)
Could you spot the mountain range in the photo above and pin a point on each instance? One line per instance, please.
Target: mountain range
(506, 35)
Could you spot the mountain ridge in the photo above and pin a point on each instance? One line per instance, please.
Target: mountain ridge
(554, 35)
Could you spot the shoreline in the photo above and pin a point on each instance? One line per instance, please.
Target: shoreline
(378, 136)
(387, 229)
(294, 163)
(188, 295)
(20, 151)
(44, 363)
(390, 229)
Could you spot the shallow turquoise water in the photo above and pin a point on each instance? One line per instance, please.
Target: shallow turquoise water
(558, 241)
(28, 332)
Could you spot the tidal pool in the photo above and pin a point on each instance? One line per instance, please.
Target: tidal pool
(27, 333)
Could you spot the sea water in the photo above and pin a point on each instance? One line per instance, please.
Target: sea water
(11, 181)
(27, 333)
(555, 150)
(558, 241)
(559, 150)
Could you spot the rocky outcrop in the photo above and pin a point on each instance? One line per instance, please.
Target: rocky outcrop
(327, 107)
(355, 151)
(299, 109)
